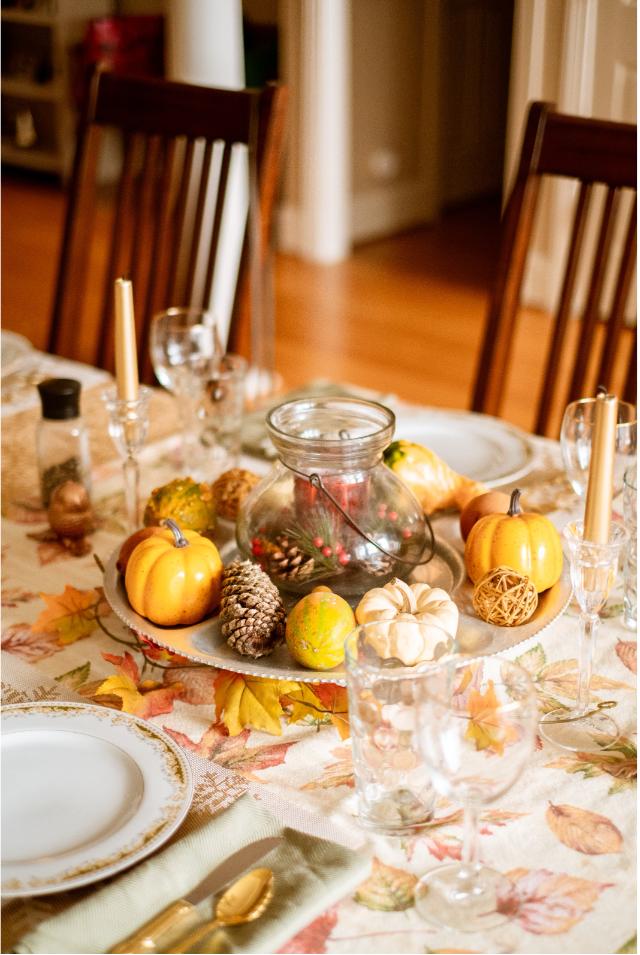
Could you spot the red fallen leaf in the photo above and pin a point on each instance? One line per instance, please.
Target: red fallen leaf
(144, 699)
(313, 938)
(627, 651)
(126, 664)
(232, 751)
(152, 651)
(30, 645)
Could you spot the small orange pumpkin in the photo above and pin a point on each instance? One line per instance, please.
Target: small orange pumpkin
(174, 577)
(529, 543)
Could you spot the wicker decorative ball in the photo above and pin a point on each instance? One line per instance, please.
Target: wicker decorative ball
(504, 597)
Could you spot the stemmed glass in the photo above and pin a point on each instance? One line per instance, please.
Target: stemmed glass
(575, 442)
(186, 351)
(476, 723)
(584, 727)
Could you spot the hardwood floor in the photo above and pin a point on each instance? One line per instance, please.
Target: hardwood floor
(404, 314)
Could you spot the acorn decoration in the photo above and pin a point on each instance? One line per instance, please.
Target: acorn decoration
(252, 614)
(230, 490)
(70, 519)
(69, 512)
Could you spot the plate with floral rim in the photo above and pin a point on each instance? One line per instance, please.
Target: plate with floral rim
(87, 791)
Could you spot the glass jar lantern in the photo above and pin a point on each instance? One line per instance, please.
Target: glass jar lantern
(330, 512)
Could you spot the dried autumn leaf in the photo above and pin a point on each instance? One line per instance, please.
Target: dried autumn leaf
(71, 615)
(243, 701)
(314, 937)
(144, 699)
(583, 831)
(486, 727)
(20, 640)
(321, 702)
(548, 903)
(387, 889)
(627, 651)
(233, 752)
(75, 678)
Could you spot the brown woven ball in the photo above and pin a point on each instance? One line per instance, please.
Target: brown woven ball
(505, 597)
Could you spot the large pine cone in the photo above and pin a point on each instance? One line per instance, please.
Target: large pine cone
(289, 561)
(252, 614)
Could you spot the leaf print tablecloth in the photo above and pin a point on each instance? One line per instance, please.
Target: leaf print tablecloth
(564, 834)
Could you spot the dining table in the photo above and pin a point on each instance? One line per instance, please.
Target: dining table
(563, 834)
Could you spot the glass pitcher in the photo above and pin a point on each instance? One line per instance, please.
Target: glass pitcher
(330, 512)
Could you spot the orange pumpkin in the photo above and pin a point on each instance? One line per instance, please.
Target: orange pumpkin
(529, 543)
(174, 577)
(493, 502)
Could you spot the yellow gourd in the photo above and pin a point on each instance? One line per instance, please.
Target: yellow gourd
(528, 543)
(174, 577)
(317, 627)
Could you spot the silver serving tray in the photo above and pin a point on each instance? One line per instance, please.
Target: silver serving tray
(203, 642)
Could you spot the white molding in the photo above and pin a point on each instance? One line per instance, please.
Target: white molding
(325, 96)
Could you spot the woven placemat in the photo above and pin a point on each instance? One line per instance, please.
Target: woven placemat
(19, 467)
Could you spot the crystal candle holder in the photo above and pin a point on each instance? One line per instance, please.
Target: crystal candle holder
(128, 426)
(584, 727)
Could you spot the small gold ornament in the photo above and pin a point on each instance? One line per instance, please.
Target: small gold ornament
(69, 512)
(504, 597)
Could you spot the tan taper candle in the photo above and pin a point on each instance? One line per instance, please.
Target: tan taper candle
(597, 511)
(126, 348)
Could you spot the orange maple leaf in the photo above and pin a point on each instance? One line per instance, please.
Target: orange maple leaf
(250, 701)
(487, 727)
(71, 615)
(145, 699)
(320, 700)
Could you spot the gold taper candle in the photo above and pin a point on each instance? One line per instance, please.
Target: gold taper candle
(597, 511)
(126, 348)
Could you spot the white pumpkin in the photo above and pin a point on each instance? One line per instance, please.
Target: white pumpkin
(430, 609)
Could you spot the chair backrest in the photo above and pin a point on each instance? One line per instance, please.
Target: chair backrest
(590, 152)
(157, 219)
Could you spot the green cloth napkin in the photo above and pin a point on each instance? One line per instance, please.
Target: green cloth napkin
(310, 875)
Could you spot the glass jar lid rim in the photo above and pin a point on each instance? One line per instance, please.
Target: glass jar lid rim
(332, 403)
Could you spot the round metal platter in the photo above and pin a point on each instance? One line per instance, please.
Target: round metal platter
(203, 642)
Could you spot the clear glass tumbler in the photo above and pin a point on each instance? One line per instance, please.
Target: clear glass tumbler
(629, 505)
(395, 795)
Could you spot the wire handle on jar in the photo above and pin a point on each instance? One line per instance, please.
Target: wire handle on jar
(316, 481)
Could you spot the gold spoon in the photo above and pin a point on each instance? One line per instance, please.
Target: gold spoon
(243, 901)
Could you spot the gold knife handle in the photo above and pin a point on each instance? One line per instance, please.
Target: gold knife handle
(144, 939)
(192, 938)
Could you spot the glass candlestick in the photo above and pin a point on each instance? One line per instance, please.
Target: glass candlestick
(128, 425)
(584, 727)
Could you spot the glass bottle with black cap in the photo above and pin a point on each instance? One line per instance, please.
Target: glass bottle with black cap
(62, 440)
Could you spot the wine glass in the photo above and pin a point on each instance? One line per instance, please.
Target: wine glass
(583, 727)
(186, 352)
(575, 442)
(476, 723)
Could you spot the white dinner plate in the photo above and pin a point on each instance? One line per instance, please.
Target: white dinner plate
(203, 642)
(86, 792)
(16, 351)
(477, 445)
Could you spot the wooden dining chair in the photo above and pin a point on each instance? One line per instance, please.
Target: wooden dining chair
(589, 152)
(157, 219)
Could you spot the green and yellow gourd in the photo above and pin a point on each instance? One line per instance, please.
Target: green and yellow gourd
(317, 627)
(183, 500)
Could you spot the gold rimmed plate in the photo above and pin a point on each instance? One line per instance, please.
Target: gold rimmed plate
(86, 792)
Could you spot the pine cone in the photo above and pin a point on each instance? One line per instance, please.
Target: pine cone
(252, 614)
(378, 565)
(230, 490)
(289, 561)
